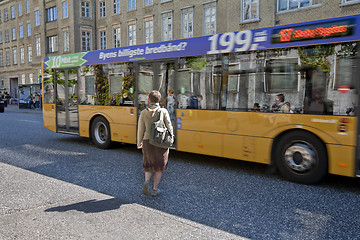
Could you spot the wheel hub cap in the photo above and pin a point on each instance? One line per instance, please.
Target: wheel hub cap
(300, 157)
(101, 132)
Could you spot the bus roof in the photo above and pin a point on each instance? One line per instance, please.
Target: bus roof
(342, 29)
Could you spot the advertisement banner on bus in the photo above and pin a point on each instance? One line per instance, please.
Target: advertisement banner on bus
(343, 29)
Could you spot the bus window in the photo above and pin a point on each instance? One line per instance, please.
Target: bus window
(87, 88)
(198, 82)
(241, 82)
(121, 83)
(145, 83)
(188, 82)
(282, 75)
(237, 89)
(315, 100)
(49, 83)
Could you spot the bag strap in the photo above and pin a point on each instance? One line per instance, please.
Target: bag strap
(161, 115)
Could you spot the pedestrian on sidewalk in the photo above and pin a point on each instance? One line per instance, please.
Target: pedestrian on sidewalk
(37, 101)
(31, 101)
(155, 159)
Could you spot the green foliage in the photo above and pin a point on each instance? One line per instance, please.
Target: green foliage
(317, 57)
(101, 85)
(196, 63)
(118, 99)
(128, 83)
(60, 77)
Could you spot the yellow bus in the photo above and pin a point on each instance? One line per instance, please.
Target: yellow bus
(285, 96)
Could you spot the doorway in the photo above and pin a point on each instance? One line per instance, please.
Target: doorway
(67, 112)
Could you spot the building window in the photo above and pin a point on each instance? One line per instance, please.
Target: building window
(1, 40)
(102, 9)
(0, 17)
(102, 39)
(7, 35)
(12, 11)
(132, 34)
(85, 41)
(66, 41)
(31, 79)
(21, 31)
(286, 5)
(1, 59)
(29, 54)
(149, 31)
(6, 14)
(14, 56)
(85, 9)
(166, 26)
(132, 5)
(250, 10)
(116, 6)
(20, 9)
(209, 18)
(65, 9)
(148, 2)
(37, 18)
(52, 44)
(13, 34)
(29, 29)
(51, 14)
(23, 81)
(117, 37)
(187, 23)
(38, 46)
(28, 6)
(7, 57)
(22, 55)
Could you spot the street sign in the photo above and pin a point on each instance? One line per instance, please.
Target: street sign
(343, 88)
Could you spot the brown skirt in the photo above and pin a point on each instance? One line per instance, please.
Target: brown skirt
(155, 159)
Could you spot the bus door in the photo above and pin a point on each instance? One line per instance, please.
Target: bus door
(157, 76)
(67, 114)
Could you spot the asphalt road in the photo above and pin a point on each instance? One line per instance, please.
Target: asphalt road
(235, 197)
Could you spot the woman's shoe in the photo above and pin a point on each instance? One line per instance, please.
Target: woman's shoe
(145, 190)
(155, 193)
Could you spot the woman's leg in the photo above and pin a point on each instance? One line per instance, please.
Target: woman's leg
(145, 190)
(157, 179)
(147, 176)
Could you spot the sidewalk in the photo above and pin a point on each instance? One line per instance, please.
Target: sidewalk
(15, 108)
(34, 206)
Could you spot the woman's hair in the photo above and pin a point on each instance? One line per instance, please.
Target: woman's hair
(155, 96)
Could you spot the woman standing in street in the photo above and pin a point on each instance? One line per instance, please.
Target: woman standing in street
(155, 159)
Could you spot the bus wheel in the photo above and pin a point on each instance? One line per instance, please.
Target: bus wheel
(100, 133)
(301, 157)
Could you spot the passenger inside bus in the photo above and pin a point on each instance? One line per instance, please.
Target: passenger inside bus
(126, 101)
(113, 101)
(280, 105)
(256, 107)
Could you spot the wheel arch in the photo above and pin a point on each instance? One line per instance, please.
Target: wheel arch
(284, 133)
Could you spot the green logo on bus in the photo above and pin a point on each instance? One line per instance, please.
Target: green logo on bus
(66, 61)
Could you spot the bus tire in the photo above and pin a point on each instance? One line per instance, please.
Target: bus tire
(100, 133)
(301, 157)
